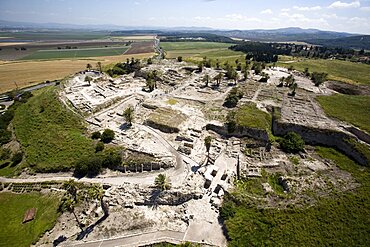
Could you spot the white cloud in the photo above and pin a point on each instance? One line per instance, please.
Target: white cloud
(307, 8)
(366, 9)
(343, 5)
(285, 10)
(267, 11)
(239, 17)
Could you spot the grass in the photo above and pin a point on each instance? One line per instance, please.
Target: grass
(171, 101)
(345, 71)
(195, 51)
(12, 209)
(349, 108)
(50, 135)
(340, 220)
(27, 73)
(250, 116)
(76, 53)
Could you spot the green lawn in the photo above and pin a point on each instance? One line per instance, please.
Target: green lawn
(77, 53)
(338, 70)
(12, 209)
(250, 116)
(195, 51)
(353, 109)
(340, 220)
(51, 136)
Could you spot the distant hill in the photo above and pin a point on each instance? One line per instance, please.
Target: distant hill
(283, 34)
(354, 42)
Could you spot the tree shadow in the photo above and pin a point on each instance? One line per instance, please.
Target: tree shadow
(124, 126)
(153, 199)
(90, 228)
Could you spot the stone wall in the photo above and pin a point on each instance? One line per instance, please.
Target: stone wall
(240, 132)
(162, 127)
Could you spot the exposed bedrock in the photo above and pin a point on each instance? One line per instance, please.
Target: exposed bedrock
(325, 137)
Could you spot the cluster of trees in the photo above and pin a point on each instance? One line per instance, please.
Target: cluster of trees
(151, 80)
(233, 98)
(289, 82)
(91, 166)
(128, 67)
(260, 52)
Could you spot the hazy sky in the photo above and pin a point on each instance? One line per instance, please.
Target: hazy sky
(343, 15)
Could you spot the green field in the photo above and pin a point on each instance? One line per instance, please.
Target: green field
(339, 220)
(12, 209)
(77, 53)
(344, 71)
(56, 35)
(195, 51)
(250, 116)
(353, 109)
(50, 135)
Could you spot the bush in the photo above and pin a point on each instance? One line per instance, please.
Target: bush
(99, 147)
(17, 158)
(90, 166)
(107, 136)
(95, 135)
(5, 136)
(233, 98)
(4, 153)
(292, 143)
(318, 78)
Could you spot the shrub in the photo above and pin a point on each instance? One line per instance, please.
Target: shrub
(292, 143)
(90, 166)
(318, 78)
(99, 147)
(5, 136)
(4, 153)
(233, 98)
(96, 135)
(107, 136)
(17, 158)
(179, 58)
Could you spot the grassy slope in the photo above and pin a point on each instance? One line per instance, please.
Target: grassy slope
(12, 209)
(51, 136)
(349, 108)
(339, 221)
(250, 116)
(338, 70)
(75, 53)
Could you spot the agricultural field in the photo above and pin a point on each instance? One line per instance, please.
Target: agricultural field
(54, 35)
(51, 136)
(345, 71)
(28, 73)
(353, 109)
(342, 218)
(77, 53)
(195, 51)
(12, 209)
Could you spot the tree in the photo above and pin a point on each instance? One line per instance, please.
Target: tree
(206, 79)
(217, 64)
(318, 78)
(88, 66)
(129, 115)
(207, 143)
(107, 136)
(162, 182)
(95, 135)
(292, 143)
(99, 147)
(97, 192)
(200, 67)
(150, 83)
(99, 66)
(71, 187)
(88, 79)
(245, 73)
(179, 59)
(233, 98)
(289, 81)
(293, 87)
(306, 72)
(150, 61)
(281, 80)
(218, 78)
(70, 200)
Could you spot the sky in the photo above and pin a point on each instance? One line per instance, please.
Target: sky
(344, 15)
